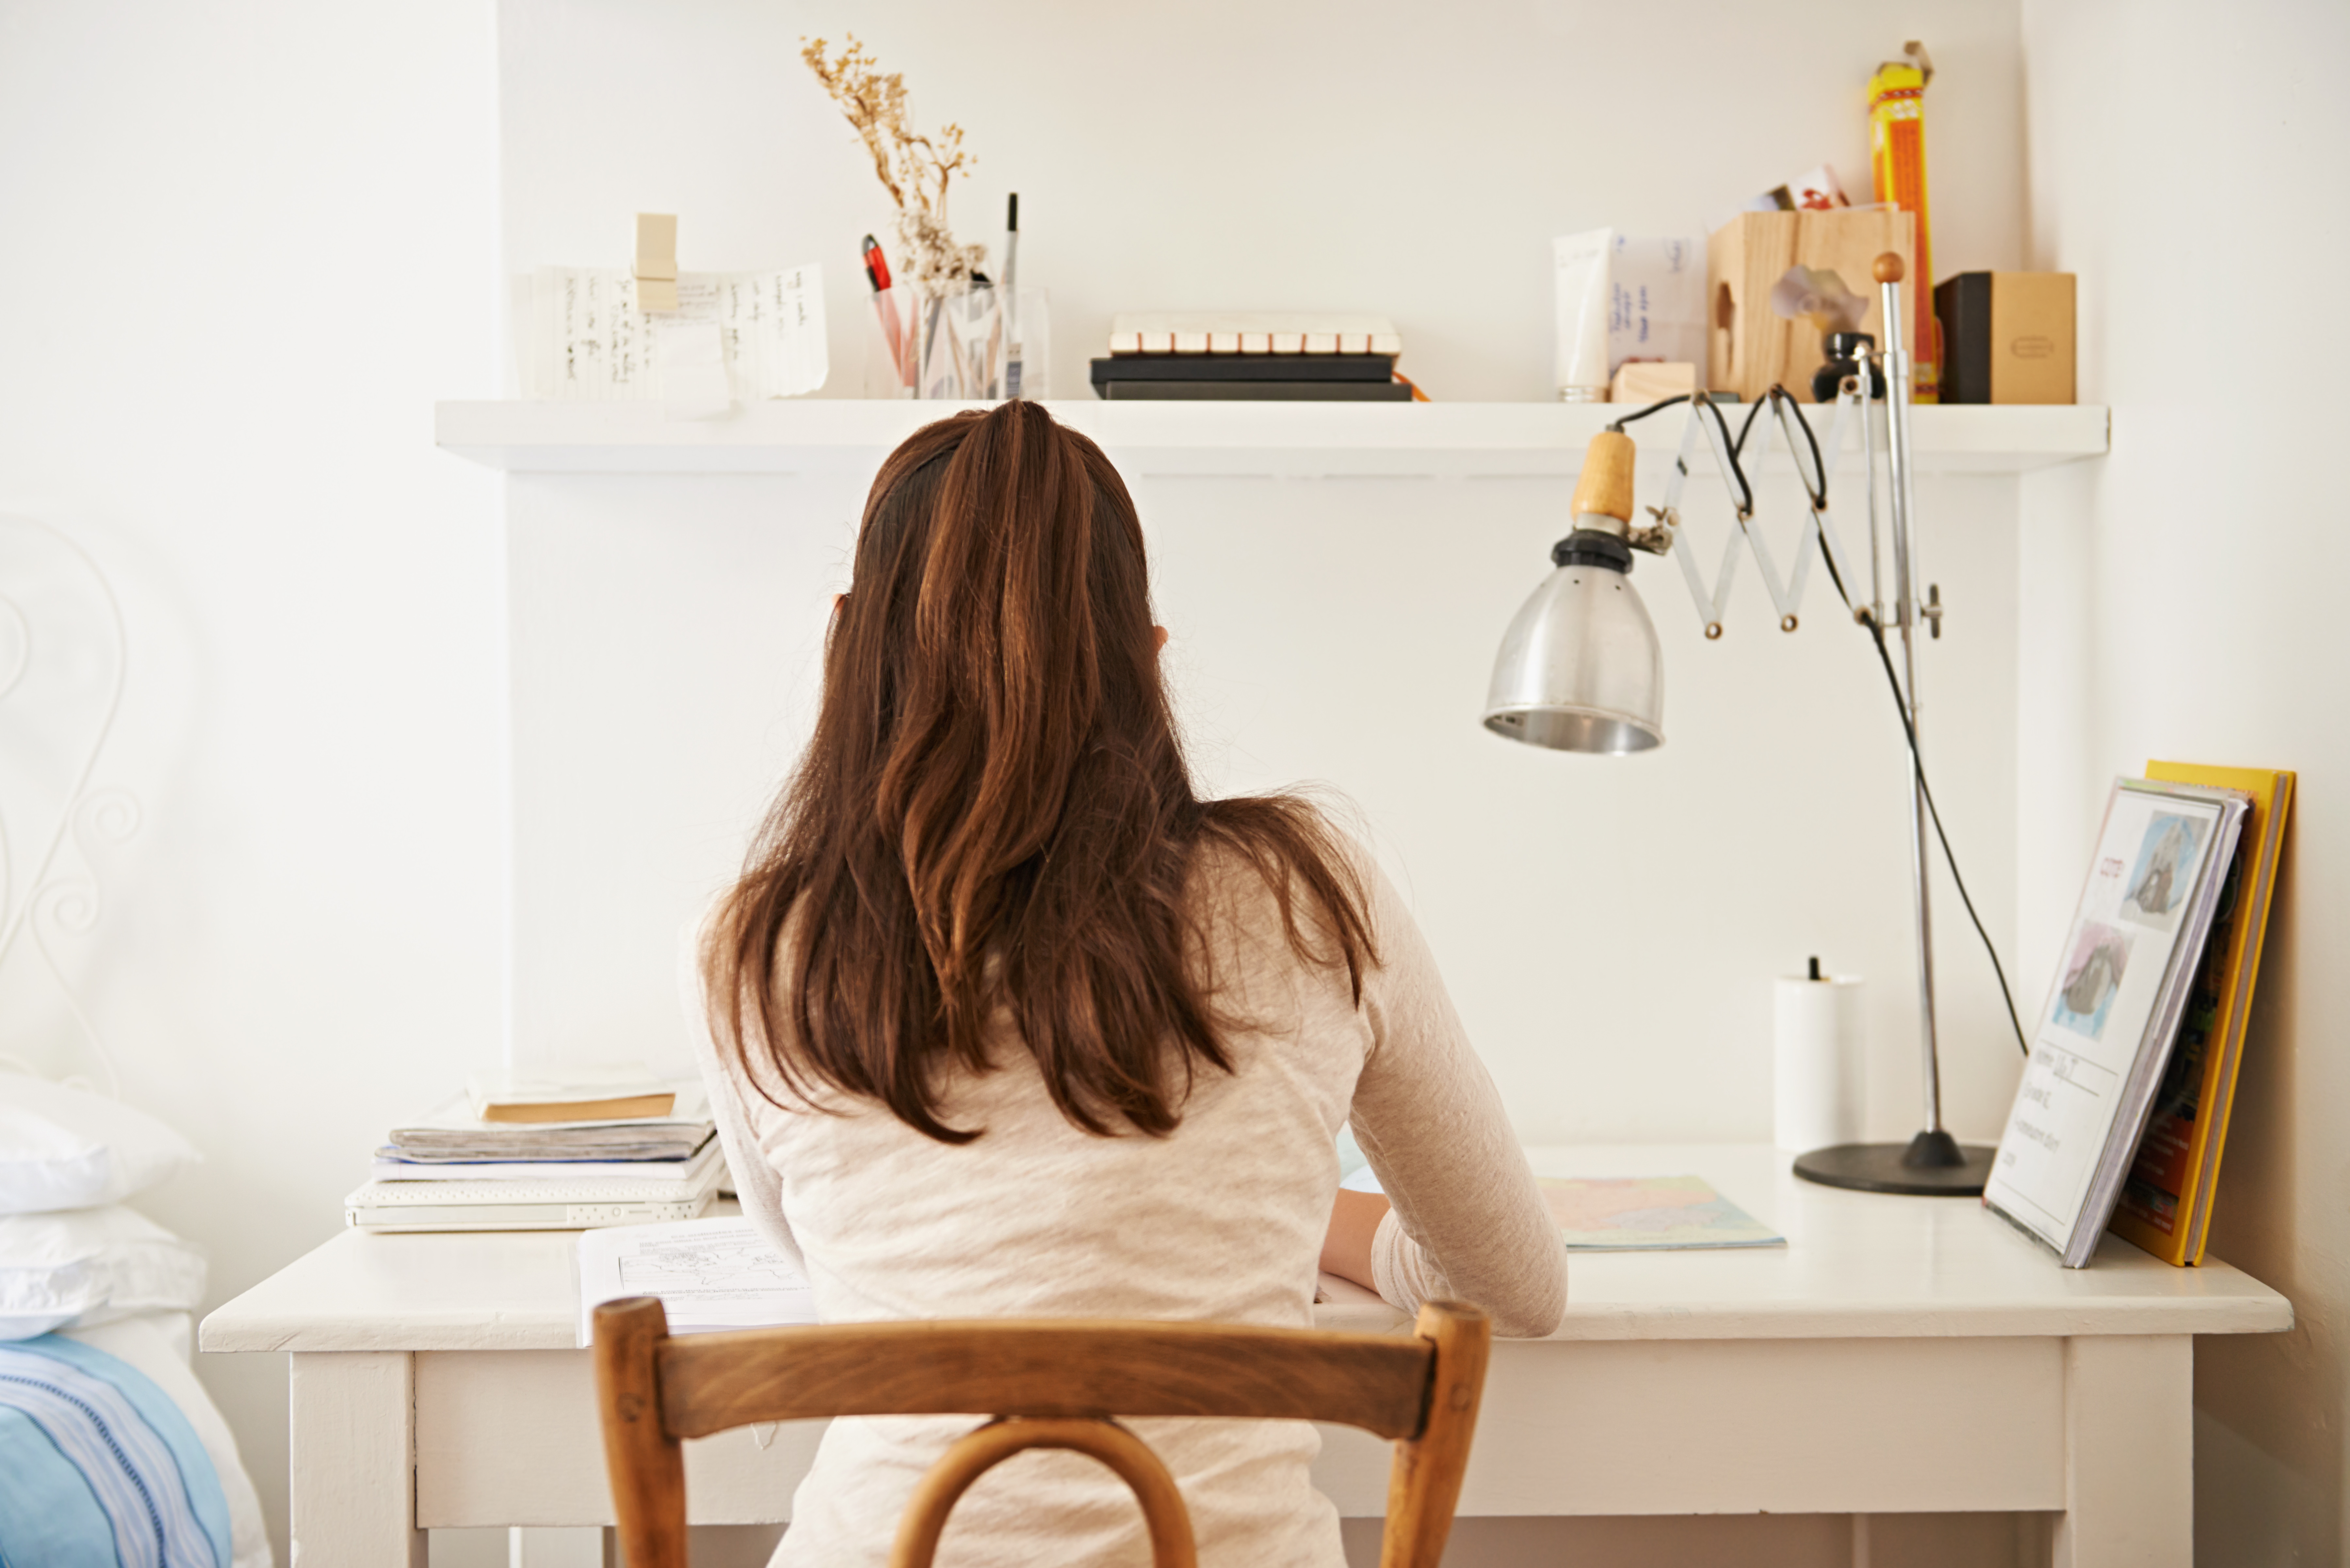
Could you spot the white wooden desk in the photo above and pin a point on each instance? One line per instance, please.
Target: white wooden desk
(1900, 1354)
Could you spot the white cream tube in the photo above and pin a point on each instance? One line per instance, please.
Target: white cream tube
(1581, 279)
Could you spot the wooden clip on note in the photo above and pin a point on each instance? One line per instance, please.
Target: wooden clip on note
(656, 264)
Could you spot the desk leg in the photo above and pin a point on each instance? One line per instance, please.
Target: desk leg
(354, 1443)
(2129, 1453)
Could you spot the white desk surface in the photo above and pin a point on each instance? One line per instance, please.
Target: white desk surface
(1857, 1265)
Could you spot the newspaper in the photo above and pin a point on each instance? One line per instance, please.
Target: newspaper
(389, 1166)
(452, 1133)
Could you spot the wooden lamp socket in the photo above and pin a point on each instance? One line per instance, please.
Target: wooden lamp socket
(1606, 485)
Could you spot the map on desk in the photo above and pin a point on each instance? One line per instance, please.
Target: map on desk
(1636, 1213)
(1649, 1213)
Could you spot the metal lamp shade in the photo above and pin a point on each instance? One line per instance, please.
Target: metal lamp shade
(1579, 668)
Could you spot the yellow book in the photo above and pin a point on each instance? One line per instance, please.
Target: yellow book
(2165, 1203)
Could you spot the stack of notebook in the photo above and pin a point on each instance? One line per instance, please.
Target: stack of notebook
(1268, 358)
(596, 1146)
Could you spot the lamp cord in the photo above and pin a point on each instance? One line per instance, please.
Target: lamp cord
(1730, 445)
(1909, 730)
(1819, 495)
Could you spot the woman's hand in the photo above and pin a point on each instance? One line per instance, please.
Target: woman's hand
(1354, 1220)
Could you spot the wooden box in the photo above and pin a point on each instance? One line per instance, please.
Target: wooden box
(1749, 347)
(2007, 336)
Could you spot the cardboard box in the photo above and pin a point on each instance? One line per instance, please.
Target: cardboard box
(1648, 381)
(1749, 347)
(2007, 336)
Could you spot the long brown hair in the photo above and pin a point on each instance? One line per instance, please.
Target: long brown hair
(995, 813)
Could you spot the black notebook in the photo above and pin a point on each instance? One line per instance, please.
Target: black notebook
(1255, 392)
(1244, 368)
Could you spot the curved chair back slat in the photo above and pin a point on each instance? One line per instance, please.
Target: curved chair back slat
(974, 1454)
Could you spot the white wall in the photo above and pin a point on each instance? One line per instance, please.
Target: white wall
(249, 244)
(1389, 156)
(1609, 926)
(2181, 600)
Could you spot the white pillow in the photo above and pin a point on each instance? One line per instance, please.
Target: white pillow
(91, 1266)
(69, 1148)
(156, 1345)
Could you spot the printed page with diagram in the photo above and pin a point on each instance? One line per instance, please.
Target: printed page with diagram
(711, 1275)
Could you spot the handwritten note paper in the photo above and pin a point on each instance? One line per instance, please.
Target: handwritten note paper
(589, 342)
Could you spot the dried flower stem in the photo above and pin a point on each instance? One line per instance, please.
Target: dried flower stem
(915, 169)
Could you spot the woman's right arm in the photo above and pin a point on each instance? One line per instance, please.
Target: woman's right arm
(1467, 1221)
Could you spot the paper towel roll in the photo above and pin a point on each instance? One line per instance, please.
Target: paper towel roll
(1816, 1064)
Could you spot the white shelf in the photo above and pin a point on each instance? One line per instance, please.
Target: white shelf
(1294, 439)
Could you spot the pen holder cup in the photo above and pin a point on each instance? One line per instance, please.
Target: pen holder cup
(962, 344)
(977, 346)
(888, 361)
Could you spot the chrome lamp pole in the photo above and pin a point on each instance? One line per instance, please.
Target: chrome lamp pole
(1933, 1164)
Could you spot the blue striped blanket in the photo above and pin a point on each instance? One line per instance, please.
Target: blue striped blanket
(98, 1467)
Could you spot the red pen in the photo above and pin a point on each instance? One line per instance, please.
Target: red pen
(876, 272)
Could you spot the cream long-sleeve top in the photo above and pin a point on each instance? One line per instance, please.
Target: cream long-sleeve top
(1221, 1220)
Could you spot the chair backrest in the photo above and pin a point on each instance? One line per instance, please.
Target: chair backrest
(1044, 1383)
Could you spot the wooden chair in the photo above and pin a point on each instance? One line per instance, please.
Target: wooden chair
(1048, 1384)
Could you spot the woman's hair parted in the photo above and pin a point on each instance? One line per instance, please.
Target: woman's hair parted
(994, 817)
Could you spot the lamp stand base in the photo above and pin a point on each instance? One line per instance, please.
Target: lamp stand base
(1931, 1165)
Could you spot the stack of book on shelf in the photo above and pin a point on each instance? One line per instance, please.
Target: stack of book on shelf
(548, 1151)
(1275, 356)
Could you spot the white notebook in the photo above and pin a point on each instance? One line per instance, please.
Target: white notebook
(1252, 332)
(569, 1204)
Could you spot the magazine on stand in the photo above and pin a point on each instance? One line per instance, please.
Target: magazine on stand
(2121, 987)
